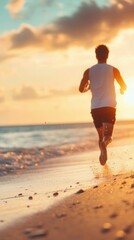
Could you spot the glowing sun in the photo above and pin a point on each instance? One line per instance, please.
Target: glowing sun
(129, 96)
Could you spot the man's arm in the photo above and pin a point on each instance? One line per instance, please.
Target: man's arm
(120, 80)
(84, 84)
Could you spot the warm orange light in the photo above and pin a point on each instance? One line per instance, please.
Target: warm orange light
(129, 96)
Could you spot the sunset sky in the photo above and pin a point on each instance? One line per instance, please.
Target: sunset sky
(45, 46)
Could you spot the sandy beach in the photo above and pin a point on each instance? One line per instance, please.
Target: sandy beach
(79, 203)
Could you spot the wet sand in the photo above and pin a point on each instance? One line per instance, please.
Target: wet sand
(103, 209)
(103, 212)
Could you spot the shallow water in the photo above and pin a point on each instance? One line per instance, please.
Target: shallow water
(25, 147)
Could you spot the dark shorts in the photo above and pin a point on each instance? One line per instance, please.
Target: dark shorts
(103, 115)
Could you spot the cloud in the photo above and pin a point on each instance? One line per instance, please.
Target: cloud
(88, 26)
(26, 36)
(30, 93)
(91, 24)
(15, 7)
(26, 93)
(17, 10)
(62, 92)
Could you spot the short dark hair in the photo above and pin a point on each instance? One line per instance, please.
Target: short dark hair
(102, 52)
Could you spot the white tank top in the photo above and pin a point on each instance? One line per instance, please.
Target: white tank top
(102, 87)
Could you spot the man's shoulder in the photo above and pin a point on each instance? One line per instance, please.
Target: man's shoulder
(93, 66)
(86, 71)
(109, 65)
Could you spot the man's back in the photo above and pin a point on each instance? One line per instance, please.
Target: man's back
(101, 78)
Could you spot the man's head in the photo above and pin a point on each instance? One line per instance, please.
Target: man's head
(102, 52)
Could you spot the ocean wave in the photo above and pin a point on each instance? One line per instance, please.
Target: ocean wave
(37, 147)
(15, 160)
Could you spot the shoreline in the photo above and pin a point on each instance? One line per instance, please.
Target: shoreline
(103, 212)
(62, 176)
(22, 158)
(65, 177)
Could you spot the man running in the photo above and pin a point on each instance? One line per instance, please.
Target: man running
(100, 80)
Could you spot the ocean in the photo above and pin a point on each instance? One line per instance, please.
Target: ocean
(23, 147)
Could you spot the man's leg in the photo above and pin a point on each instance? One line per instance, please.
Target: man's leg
(96, 114)
(104, 119)
(108, 131)
(103, 153)
(108, 119)
(100, 135)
